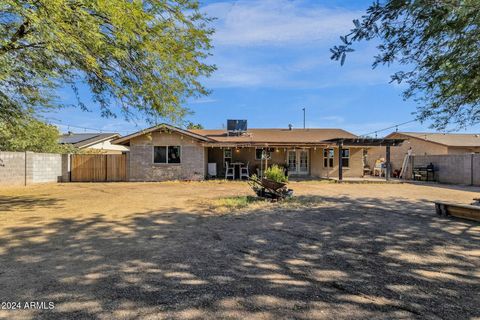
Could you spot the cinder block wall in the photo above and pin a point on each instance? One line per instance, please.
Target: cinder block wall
(455, 169)
(23, 168)
(46, 167)
(12, 168)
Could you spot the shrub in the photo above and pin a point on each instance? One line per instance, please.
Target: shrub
(276, 173)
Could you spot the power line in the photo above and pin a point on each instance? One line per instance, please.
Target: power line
(80, 127)
(388, 128)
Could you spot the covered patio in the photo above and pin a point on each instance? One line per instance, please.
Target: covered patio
(337, 159)
(342, 143)
(296, 159)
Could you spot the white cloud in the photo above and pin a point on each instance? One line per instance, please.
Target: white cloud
(285, 44)
(278, 22)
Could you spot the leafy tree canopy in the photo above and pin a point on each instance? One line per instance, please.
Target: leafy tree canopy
(438, 43)
(191, 125)
(31, 135)
(133, 55)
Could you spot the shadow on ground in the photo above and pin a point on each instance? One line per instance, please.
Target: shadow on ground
(357, 258)
(26, 203)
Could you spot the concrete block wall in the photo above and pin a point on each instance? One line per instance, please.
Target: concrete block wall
(23, 168)
(12, 168)
(455, 169)
(46, 167)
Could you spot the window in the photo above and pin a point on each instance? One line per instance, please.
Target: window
(174, 154)
(328, 158)
(159, 154)
(168, 154)
(345, 158)
(227, 156)
(259, 152)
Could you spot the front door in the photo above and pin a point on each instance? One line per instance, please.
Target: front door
(298, 161)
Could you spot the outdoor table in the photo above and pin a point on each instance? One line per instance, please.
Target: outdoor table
(237, 165)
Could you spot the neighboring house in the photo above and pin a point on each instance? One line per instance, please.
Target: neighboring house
(423, 143)
(165, 152)
(93, 142)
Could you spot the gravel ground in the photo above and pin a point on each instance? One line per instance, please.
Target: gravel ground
(153, 251)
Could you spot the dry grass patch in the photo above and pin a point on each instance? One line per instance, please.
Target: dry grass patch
(238, 204)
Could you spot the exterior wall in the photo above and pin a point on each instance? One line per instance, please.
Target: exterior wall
(355, 169)
(397, 154)
(279, 156)
(22, 168)
(108, 147)
(142, 168)
(455, 169)
(459, 150)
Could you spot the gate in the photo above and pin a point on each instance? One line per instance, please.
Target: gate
(98, 167)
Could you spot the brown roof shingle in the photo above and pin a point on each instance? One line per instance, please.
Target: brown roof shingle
(276, 136)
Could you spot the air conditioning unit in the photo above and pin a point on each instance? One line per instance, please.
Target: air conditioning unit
(236, 127)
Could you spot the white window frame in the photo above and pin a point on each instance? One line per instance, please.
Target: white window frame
(166, 155)
(328, 158)
(224, 158)
(346, 158)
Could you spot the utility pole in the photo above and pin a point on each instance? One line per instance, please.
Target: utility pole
(303, 118)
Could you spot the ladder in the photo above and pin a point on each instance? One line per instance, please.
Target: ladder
(404, 166)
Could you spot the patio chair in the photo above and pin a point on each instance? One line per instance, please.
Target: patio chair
(229, 171)
(244, 173)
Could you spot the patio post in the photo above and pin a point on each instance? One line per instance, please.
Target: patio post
(340, 166)
(388, 165)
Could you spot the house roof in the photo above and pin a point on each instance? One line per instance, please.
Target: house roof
(83, 140)
(251, 137)
(446, 139)
(276, 136)
(126, 139)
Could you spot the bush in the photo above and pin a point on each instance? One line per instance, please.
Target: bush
(276, 173)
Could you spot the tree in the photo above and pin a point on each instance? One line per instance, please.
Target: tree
(191, 125)
(437, 42)
(31, 135)
(145, 55)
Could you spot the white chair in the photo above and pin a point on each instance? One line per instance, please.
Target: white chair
(244, 173)
(229, 171)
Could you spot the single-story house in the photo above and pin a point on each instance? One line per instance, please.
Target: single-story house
(165, 152)
(94, 142)
(425, 143)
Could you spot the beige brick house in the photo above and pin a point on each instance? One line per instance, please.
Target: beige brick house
(423, 143)
(165, 152)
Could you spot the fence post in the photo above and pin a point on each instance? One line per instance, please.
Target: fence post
(66, 165)
(471, 168)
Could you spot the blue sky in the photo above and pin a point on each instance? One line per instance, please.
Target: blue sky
(273, 60)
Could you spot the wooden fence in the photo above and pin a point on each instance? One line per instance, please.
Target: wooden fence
(98, 167)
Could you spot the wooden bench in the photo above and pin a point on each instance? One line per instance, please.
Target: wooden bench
(465, 211)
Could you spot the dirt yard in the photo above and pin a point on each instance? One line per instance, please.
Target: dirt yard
(163, 250)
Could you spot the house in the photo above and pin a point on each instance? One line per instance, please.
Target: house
(165, 152)
(425, 143)
(93, 142)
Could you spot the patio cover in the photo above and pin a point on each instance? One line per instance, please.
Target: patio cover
(366, 142)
